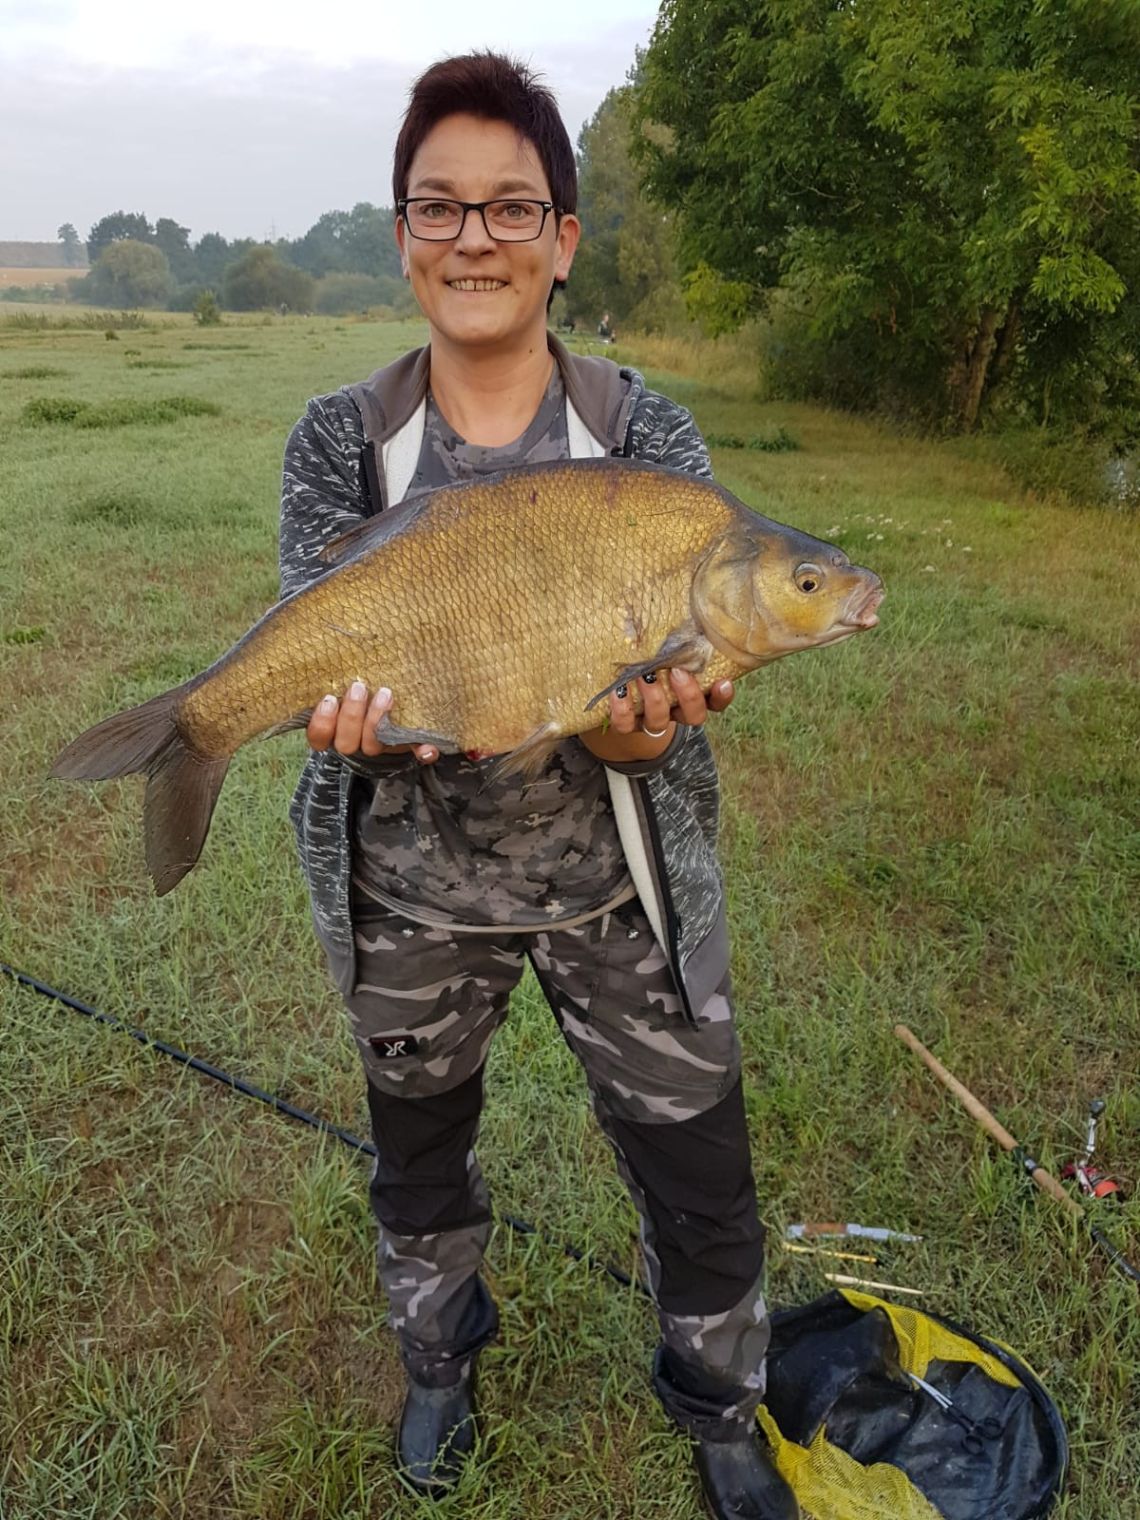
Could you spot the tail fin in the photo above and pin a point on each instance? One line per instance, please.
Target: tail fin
(181, 790)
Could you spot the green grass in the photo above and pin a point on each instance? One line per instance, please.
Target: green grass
(938, 822)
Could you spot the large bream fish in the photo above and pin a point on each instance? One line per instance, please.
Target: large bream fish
(500, 612)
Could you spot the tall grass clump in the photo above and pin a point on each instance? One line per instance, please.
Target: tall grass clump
(42, 321)
(33, 372)
(45, 410)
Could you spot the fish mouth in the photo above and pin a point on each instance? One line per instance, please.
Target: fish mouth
(862, 610)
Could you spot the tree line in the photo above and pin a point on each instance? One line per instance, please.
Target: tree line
(933, 210)
(346, 261)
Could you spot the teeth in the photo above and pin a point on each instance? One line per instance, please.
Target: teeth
(476, 284)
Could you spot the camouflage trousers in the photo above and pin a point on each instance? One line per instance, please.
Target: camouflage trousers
(666, 1093)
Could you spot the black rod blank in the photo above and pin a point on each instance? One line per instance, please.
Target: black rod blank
(354, 1142)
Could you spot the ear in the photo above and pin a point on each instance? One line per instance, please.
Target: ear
(569, 231)
(401, 244)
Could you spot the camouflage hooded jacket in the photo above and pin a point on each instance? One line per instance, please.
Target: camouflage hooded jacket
(350, 455)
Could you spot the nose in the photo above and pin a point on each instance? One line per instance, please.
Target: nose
(473, 235)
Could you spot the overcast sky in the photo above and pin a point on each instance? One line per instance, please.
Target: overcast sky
(251, 117)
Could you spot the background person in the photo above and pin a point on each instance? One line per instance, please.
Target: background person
(431, 885)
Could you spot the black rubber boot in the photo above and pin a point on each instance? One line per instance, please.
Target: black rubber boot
(436, 1436)
(740, 1481)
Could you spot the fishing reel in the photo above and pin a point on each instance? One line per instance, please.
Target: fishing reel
(1092, 1182)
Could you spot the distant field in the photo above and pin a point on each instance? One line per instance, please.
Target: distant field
(938, 822)
(38, 276)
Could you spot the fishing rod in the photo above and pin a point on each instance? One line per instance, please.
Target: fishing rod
(1032, 1168)
(354, 1142)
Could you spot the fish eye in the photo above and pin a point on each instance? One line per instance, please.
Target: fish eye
(809, 577)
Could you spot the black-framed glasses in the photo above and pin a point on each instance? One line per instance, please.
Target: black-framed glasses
(508, 220)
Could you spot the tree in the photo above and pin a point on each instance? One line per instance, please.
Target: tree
(72, 247)
(131, 274)
(175, 244)
(360, 241)
(259, 279)
(211, 255)
(950, 188)
(624, 264)
(113, 228)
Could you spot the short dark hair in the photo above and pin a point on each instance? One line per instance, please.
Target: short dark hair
(495, 88)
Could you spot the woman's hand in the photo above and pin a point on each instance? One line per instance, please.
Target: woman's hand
(643, 736)
(349, 726)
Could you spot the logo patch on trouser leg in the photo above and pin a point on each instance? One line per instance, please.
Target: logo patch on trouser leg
(390, 1047)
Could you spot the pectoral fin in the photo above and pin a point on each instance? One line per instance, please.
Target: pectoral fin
(684, 649)
(388, 732)
(371, 532)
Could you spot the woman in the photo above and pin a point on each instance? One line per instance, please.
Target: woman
(430, 884)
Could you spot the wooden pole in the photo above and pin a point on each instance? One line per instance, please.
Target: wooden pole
(1044, 1180)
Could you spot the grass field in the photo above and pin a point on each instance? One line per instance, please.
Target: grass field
(938, 822)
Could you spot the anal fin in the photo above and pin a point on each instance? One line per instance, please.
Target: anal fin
(289, 725)
(528, 758)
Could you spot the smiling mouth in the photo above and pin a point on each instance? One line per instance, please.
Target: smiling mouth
(477, 285)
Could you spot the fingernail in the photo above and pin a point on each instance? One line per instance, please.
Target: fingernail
(621, 691)
(427, 754)
(383, 696)
(326, 704)
(650, 678)
(358, 691)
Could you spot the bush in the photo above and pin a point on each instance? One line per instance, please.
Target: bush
(40, 294)
(207, 312)
(184, 297)
(259, 281)
(339, 295)
(1054, 463)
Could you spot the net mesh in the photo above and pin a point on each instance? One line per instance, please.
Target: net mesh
(923, 1340)
(828, 1483)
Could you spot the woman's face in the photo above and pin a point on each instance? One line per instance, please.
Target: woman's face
(476, 292)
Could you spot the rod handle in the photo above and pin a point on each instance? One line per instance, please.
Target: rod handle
(1044, 1180)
